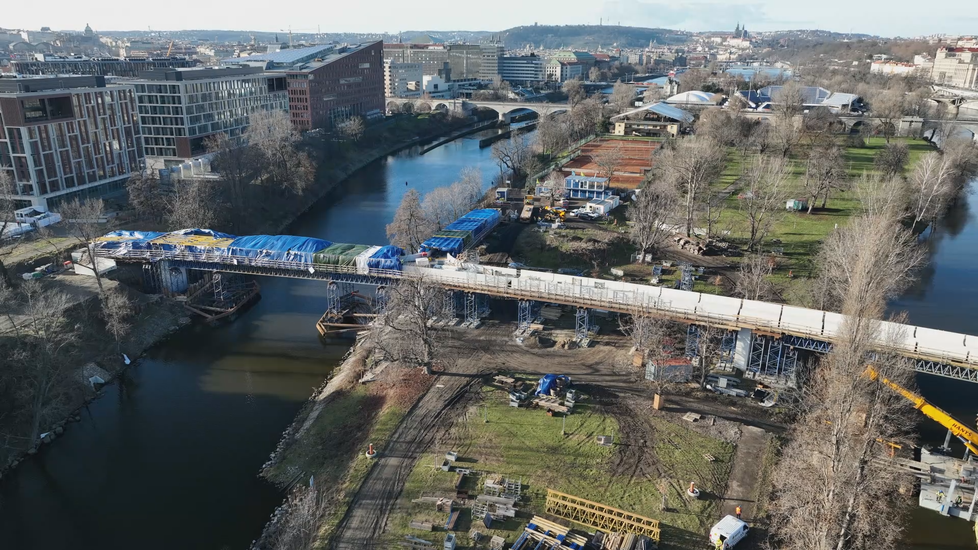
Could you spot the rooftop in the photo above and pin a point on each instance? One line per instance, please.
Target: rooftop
(14, 84)
(196, 73)
(327, 59)
(661, 109)
(289, 56)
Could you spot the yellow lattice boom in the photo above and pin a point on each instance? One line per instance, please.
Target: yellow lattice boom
(600, 516)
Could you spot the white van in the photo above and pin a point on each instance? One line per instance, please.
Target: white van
(729, 531)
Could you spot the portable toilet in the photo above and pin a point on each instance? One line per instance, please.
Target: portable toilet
(502, 194)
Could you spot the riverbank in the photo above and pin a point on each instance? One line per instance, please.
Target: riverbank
(321, 457)
(94, 354)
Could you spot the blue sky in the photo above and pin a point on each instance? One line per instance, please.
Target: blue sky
(883, 17)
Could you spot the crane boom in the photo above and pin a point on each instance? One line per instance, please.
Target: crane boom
(967, 436)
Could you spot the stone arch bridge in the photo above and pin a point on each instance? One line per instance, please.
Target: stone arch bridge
(505, 109)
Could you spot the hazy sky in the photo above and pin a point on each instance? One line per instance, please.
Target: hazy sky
(883, 17)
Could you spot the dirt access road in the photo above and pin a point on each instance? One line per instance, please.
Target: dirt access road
(604, 369)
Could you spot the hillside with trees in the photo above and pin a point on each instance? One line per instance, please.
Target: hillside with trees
(588, 36)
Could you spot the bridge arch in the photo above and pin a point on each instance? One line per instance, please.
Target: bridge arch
(440, 107)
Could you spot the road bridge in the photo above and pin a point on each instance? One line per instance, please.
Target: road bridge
(763, 337)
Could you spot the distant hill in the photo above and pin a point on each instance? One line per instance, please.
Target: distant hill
(587, 36)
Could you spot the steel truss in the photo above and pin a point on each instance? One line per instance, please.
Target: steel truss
(772, 362)
(448, 309)
(381, 299)
(810, 344)
(692, 341)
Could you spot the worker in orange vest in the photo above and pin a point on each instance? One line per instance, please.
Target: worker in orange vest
(738, 512)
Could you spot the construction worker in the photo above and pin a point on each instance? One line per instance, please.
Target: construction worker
(738, 511)
(940, 496)
(720, 545)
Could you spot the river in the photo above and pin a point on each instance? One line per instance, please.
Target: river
(168, 458)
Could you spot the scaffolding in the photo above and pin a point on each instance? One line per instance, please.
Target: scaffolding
(756, 358)
(772, 360)
(692, 341)
(381, 299)
(686, 282)
(728, 350)
(525, 315)
(581, 326)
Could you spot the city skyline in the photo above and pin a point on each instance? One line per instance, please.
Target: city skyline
(391, 17)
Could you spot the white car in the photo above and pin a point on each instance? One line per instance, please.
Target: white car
(729, 531)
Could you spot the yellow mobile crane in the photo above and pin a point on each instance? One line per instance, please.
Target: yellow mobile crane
(967, 436)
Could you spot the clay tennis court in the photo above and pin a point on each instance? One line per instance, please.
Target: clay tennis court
(636, 161)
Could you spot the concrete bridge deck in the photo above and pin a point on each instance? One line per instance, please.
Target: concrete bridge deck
(938, 352)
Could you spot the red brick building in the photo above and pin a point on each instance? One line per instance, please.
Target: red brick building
(332, 89)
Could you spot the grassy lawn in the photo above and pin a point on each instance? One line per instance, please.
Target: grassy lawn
(527, 444)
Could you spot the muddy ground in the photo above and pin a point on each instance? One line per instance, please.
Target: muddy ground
(603, 371)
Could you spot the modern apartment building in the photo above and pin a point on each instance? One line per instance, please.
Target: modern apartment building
(67, 137)
(562, 71)
(464, 60)
(330, 90)
(180, 108)
(956, 67)
(403, 79)
(45, 64)
(522, 70)
(491, 53)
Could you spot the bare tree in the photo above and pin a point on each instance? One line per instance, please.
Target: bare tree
(649, 336)
(586, 118)
(693, 80)
(116, 310)
(410, 226)
(889, 107)
(146, 195)
(753, 281)
(652, 94)
(551, 134)
(825, 170)
(892, 160)
(763, 197)
(513, 155)
(594, 75)
(8, 192)
(783, 133)
(238, 168)
(353, 128)
(649, 216)
(788, 99)
(45, 341)
(832, 492)
(272, 135)
(819, 125)
(718, 125)
(609, 161)
(191, 204)
(623, 96)
(443, 205)
(691, 166)
(932, 186)
(575, 91)
(842, 259)
(86, 222)
(883, 196)
(404, 333)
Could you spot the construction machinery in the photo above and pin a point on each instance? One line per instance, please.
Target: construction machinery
(554, 214)
(967, 435)
(169, 50)
(528, 199)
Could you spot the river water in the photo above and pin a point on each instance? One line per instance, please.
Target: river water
(168, 457)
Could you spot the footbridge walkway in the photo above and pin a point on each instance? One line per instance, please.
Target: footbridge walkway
(763, 337)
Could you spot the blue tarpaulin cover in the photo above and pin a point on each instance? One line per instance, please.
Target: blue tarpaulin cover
(548, 382)
(277, 247)
(204, 232)
(483, 213)
(451, 245)
(388, 257)
(466, 224)
(132, 240)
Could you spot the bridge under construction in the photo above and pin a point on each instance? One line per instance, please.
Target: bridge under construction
(761, 338)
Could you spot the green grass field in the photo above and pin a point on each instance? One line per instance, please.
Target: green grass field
(527, 444)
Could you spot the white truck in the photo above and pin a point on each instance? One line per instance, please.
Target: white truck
(727, 533)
